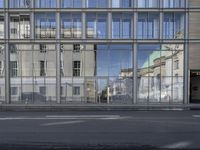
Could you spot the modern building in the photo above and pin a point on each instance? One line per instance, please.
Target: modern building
(100, 51)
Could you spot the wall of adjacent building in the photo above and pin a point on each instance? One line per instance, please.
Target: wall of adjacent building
(194, 34)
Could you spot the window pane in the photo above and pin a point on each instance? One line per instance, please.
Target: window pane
(102, 3)
(126, 3)
(173, 26)
(19, 3)
(91, 28)
(1, 26)
(45, 25)
(67, 4)
(2, 73)
(1, 3)
(101, 28)
(96, 26)
(77, 3)
(19, 26)
(121, 26)
(92, 3)
(116, 28)
(45, 3)
(115, 3)
(71, 25)
(102, 62)
(148, 25)
(148, 3)
(174, 3)
(177, 89)
(126, 28)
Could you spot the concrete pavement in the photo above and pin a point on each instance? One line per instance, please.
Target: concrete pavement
(95, 107)
(100, 130)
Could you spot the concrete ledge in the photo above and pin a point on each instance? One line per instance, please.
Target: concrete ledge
(94, 107)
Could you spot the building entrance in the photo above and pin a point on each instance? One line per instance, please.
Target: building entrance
(195, 86)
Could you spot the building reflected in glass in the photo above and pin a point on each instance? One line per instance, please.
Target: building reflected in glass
(93, 51)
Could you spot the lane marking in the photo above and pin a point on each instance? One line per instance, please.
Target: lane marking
(196, 116)
(66, 117)
(61, 123)
(182, 144)
(83, 116)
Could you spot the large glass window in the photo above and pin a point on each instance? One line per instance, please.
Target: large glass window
(2, 73)
(45, 3)
(97, 3)
(19, 3)
(96, 25)
(114, 60)
(121, 3)
(71, 3)
(44, 73)
(1, 26)
(173, 25)
(71, 25)
(160, 72)
(121, 26)
(114, 73)
(174, 3)
(1, 3)
(147, 3)
(19, 26)
(45, 25)
(148, 26)
(33, 71)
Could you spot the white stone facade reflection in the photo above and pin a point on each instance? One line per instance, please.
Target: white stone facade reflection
(160, 79)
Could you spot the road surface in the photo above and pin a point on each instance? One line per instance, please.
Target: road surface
(100, 130)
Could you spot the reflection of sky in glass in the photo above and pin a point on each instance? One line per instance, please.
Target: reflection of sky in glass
(101, 28)
(1, 4)
(46, 3)
(102, 85)
(144, 52)
(111, 61)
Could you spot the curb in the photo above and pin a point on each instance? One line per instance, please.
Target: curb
(54, 108)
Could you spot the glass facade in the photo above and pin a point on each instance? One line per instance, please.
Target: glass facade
(93, 51)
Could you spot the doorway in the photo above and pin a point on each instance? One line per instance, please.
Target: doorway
(195, 86)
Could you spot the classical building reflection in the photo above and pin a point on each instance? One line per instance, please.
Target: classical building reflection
(160, 73)
(95, 51)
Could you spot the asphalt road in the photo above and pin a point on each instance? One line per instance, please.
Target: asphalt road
(100, 130)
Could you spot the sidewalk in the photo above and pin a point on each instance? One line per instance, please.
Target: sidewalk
(94, 107)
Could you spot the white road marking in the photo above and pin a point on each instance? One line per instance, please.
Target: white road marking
(183, 144)
(61, 123)
(65, 117)
(83, 116)
(196, 116)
